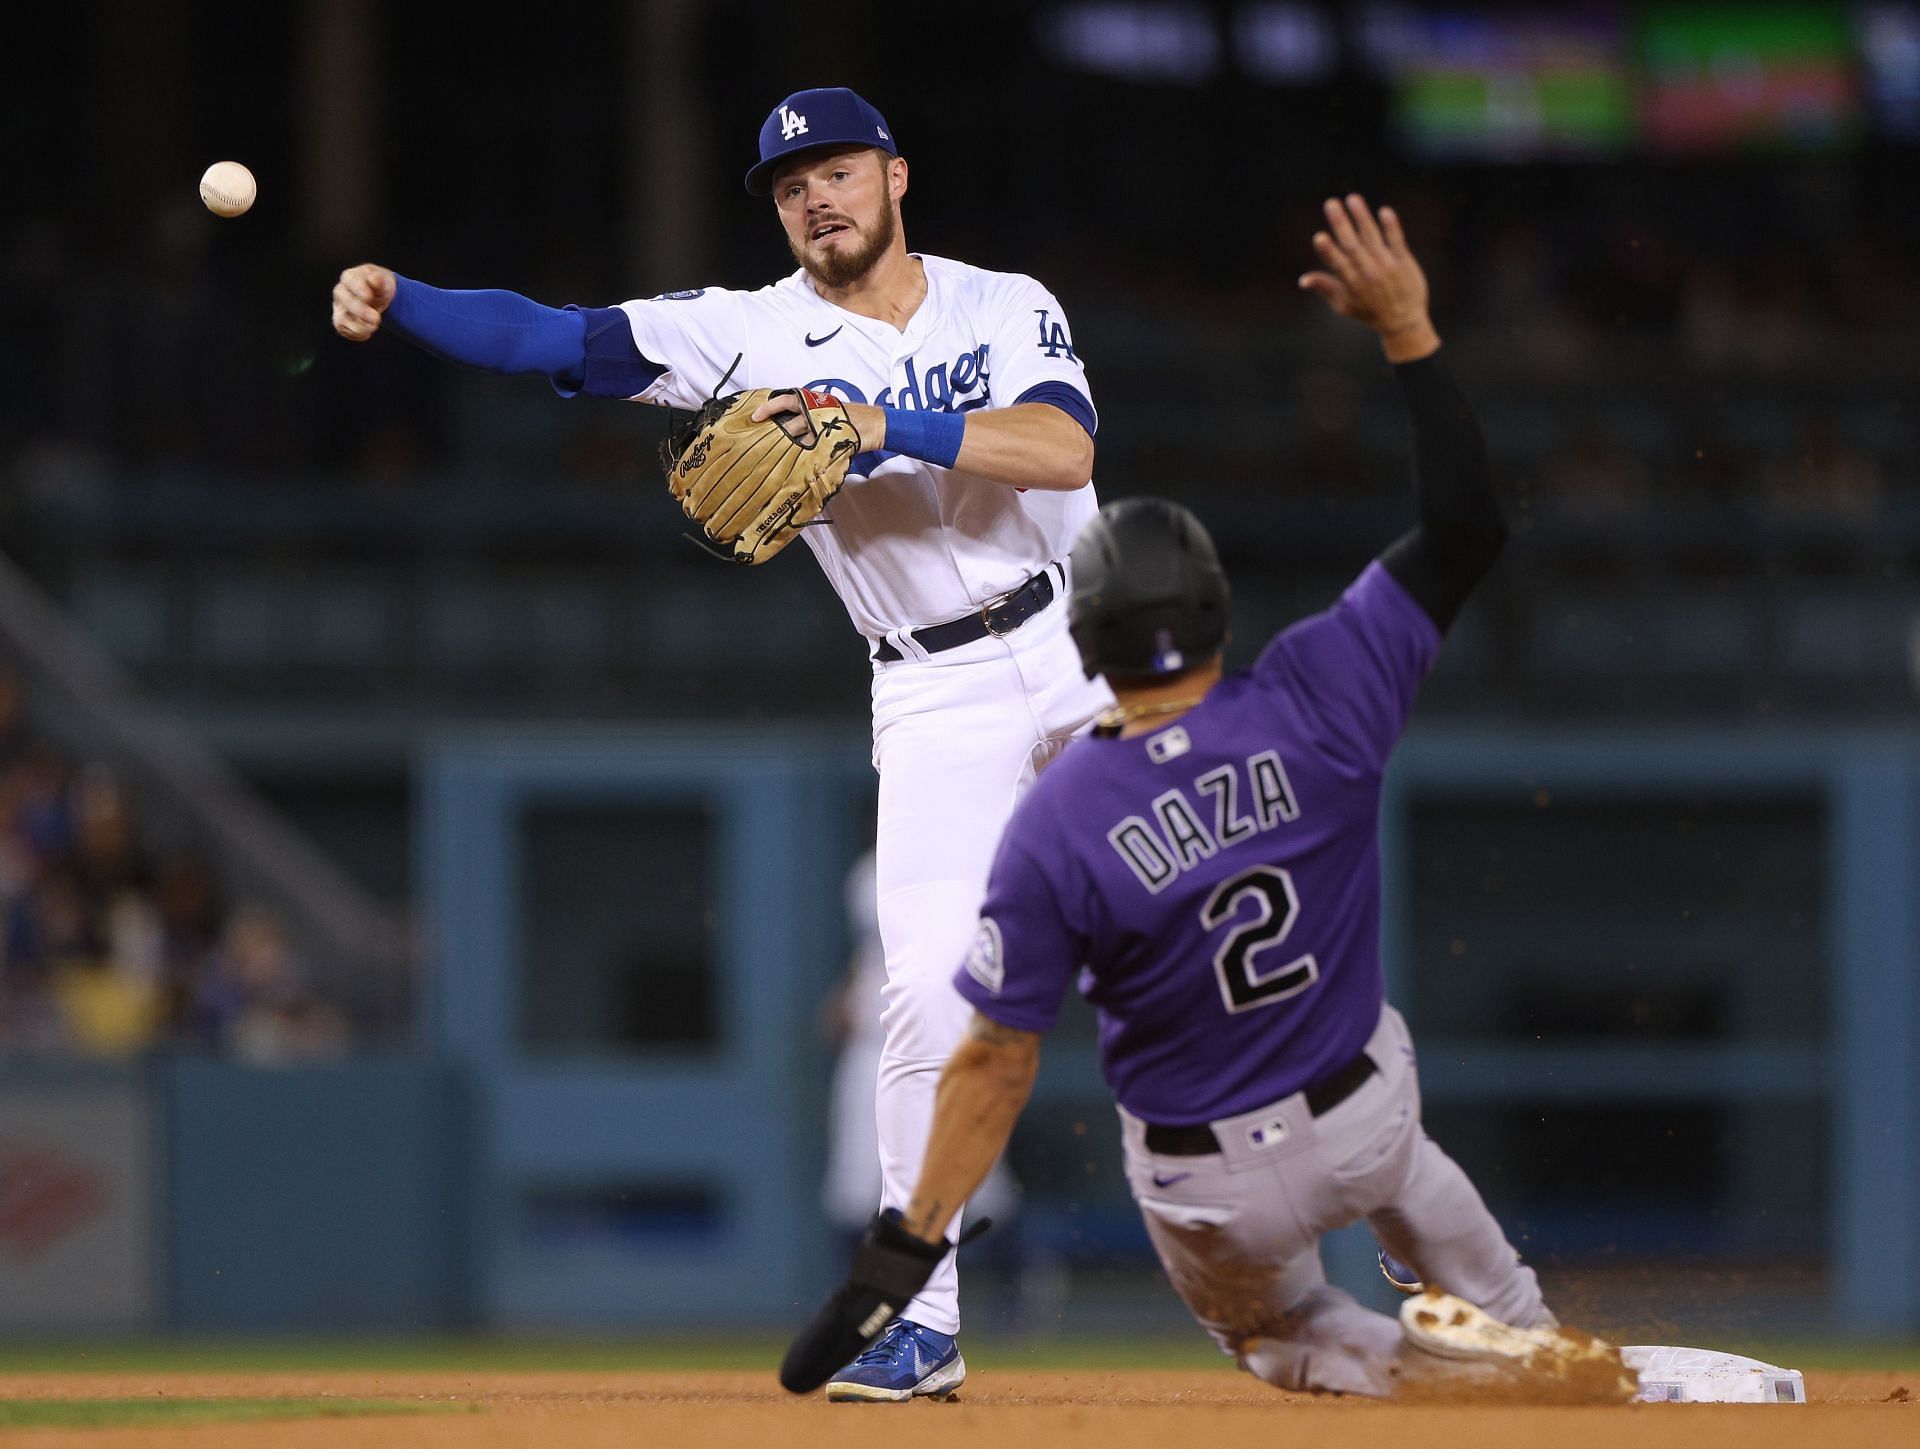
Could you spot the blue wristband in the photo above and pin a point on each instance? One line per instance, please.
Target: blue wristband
(929, 436)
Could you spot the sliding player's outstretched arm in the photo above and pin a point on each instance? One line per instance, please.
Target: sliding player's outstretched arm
(1373, 277)
(982, 1091)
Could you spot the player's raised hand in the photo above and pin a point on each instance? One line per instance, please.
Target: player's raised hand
(1373, 277)
(361, 295)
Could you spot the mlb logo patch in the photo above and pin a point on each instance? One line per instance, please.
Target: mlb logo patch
(1270, 1133)
(1168, 745)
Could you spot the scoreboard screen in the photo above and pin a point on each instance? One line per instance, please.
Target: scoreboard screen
(1507, 86)
(1599, 82)
(1760, 78)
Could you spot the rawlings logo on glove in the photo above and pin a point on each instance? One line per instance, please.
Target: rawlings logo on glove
(753, 486)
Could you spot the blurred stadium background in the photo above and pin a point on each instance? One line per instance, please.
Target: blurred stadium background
(421, 872)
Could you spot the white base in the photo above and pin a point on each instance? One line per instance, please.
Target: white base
(1707, 1376)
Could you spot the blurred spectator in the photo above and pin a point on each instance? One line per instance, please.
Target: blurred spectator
(1331, 459)
(103, 852)
(1759, 318)
(47, 936)
(1592, 480)
(36, 798)
(1824, 477)
(103, 954)
(189, 907)
(106, 1002)
(13, 716)
(106, 1012)
(250, 1001)
(1715, 468)
(1710, 317)
(1527, 309)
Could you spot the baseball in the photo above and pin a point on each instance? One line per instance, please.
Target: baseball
(227, 188)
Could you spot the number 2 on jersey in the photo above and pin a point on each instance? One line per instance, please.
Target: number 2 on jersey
(1243, 985)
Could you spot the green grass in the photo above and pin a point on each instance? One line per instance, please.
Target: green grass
(755, 1352)
(405, 1355)
(149, 1412)
(492, 1355)
(1834, 1355)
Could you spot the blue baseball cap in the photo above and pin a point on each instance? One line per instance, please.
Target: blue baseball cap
(829, 116)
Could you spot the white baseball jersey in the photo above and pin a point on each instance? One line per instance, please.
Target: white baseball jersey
(907, 543)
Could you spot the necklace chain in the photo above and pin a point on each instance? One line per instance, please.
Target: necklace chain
(1124, 714)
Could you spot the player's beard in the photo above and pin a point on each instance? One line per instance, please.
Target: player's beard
(843, 266)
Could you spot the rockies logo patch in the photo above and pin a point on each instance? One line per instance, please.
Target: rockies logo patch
(984, 961)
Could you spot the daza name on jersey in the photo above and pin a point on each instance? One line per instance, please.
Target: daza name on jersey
(1178, 838)
(944, 388)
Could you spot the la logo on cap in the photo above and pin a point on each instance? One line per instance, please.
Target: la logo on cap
(812, 120)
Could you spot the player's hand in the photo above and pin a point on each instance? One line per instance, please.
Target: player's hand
(785, 402)
(361, 295)
(1372, 276)
(868, 421)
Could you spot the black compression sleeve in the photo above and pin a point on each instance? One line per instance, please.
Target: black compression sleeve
(1460, 530)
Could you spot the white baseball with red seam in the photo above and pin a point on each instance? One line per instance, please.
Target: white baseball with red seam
(227, 188)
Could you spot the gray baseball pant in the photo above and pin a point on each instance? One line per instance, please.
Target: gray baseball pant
(1238, 1231)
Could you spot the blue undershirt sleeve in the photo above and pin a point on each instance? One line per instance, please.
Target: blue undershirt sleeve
(1068, 398)
(580, 349)
(495, 331)
(613, 365)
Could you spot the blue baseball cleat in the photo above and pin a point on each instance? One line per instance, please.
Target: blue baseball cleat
(906, 1362)
(1400, 1274)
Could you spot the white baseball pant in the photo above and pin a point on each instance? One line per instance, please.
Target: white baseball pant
(956, 737)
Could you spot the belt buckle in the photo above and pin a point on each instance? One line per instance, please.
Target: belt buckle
(1000, 601)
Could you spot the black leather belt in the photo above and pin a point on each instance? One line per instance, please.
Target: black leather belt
(1322, 1097)
(996, 617)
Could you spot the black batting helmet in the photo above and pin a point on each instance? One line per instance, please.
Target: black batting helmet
(1149, 595)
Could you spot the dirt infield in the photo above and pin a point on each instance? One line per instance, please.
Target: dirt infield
(1001, 1409)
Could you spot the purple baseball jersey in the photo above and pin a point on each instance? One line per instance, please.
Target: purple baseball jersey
(1215, 884)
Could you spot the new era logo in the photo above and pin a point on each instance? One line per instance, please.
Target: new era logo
(791, 124)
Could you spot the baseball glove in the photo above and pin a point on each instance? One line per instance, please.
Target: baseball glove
(752, 486)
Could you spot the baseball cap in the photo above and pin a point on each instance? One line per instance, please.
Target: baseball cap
(827, 116)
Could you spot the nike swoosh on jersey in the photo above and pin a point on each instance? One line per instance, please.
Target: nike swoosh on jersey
(1170, 1179)
(813, 341)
